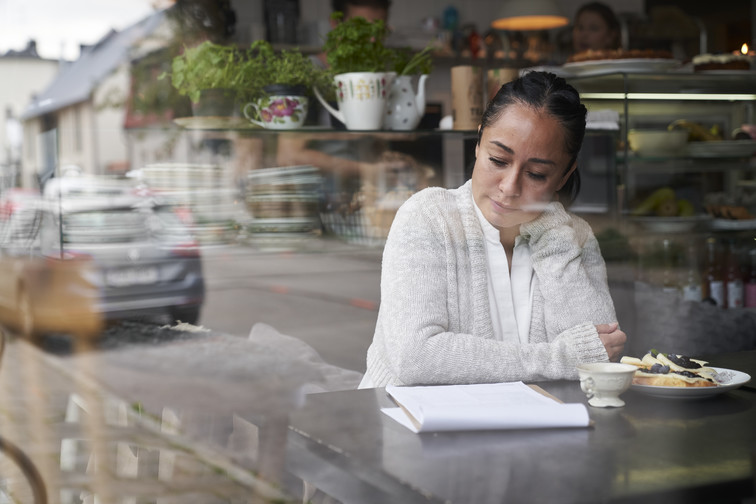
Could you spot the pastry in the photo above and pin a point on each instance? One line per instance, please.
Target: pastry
(614, 54)
(704, 62)
(671, 370)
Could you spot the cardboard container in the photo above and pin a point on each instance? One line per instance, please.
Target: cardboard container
(467, 96)
(497, 77)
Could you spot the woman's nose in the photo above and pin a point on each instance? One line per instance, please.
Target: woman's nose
(509, 184)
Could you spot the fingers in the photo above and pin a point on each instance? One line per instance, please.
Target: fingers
(614, 342)
(607, 328)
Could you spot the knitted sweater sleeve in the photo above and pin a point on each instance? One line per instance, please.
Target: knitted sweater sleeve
(428, 329)
(572, 275)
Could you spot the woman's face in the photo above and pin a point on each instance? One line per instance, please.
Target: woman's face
(520, 164)
(592, 32)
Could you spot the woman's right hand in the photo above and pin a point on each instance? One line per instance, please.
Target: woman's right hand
(613, 339)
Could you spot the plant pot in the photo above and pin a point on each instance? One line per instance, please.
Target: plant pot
(361, 99)
(284, 107)
(216, 103)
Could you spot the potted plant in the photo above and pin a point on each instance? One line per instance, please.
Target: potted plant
(281, 83)
(211, 76)
(360, 63)
(405, 107)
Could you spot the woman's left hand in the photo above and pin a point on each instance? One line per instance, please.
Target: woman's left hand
(613, 339)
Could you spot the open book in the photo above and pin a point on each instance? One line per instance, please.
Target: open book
(511, 405)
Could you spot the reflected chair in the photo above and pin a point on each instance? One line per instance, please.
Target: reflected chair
(20, 459)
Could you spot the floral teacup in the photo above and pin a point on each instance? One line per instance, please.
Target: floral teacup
(278, 111)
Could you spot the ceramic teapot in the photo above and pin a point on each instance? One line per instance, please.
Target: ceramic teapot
(404, 107)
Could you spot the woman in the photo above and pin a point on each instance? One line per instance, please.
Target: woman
(494, 281)
(596, 28)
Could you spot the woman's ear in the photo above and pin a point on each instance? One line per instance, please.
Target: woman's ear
(567, 175)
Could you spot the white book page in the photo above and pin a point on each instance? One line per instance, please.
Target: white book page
(511, 405)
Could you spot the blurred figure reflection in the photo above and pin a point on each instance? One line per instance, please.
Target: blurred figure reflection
(596, 28)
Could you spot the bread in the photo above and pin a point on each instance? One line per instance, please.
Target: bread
(670, 379)
(671, 370)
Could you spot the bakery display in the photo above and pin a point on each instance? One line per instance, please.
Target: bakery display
(618, 54)
(671, 370)
(738, 204)
(705, 62)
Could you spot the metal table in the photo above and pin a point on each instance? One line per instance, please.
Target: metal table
(650, 450)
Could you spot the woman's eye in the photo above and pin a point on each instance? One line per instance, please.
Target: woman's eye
(536, 176)
(498, 162)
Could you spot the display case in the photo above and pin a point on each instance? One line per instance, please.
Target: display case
(709, 106)
(684, 212)
(286, 188)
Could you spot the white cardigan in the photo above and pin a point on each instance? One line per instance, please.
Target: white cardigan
(434, 322)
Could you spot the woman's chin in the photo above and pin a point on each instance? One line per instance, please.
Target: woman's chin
(510, 221)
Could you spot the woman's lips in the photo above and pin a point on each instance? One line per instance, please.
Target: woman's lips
(502, 208)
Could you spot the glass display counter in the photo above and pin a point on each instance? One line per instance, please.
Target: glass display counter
(685, 213)
(309, 182)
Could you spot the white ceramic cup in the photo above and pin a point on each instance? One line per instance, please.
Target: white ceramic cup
(603, 382)
(361, 98)
(278, 111)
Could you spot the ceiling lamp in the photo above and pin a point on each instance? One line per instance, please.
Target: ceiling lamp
(529, 15)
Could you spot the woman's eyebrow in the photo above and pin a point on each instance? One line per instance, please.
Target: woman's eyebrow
(502, 146)
(530, 160)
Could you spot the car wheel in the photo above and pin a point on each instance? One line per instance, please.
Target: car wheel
(185, 314)
(25, 314)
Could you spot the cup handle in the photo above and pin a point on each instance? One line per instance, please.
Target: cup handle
(335, 113)
(588, 386)
(257, 110)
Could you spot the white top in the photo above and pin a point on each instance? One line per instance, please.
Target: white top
(510, 297)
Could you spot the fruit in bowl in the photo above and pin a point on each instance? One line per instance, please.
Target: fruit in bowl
(663, 202)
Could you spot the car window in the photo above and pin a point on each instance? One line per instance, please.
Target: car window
(104, 226)
(20, 233)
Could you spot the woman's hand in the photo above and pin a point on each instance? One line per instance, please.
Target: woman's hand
(613, 339)
(542, 219)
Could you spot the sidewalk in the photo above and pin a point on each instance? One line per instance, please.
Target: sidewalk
(327, 297)
(86, 440)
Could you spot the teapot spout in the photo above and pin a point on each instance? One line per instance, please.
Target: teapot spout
(420, 98)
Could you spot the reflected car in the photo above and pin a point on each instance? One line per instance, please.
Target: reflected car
(102, 259)
(39, 294)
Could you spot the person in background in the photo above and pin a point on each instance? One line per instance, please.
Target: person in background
(495, 281)
(346, 164)
(596, 28)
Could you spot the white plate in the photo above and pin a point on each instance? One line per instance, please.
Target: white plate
(630, 65)
(722, 149)
(671, 224)
(733, 224)
(732, 380)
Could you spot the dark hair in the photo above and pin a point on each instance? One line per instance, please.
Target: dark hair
(607, 14)
(341, 5)
(544, 90)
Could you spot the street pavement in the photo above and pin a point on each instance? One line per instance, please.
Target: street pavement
(325, 293)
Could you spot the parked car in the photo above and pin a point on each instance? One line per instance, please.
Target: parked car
(73, 264)
(38, 294)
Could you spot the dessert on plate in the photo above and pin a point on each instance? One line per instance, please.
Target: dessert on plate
(704, 62)
(671, 370)
(618, 54)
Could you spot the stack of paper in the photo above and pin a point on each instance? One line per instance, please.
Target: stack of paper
(511, 405)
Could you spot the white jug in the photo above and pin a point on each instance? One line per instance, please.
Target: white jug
(404, 107)
(361, 98)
